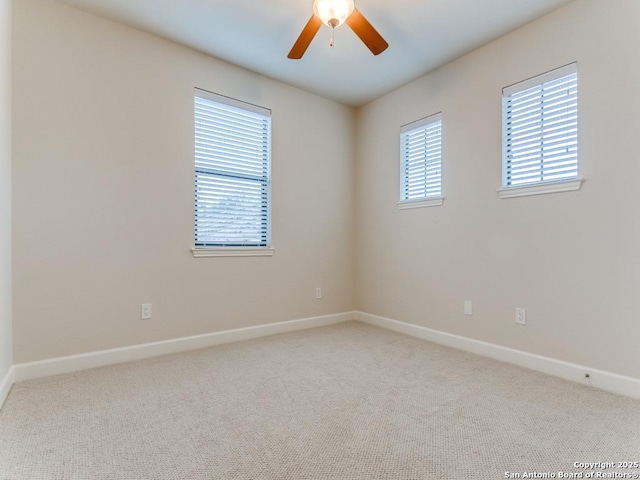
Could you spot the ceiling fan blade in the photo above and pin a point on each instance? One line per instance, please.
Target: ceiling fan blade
(369, 35)
(308, 32)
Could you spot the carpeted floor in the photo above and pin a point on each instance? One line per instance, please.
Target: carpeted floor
(346, 402)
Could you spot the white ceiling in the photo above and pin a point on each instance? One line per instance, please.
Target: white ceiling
(257, 35)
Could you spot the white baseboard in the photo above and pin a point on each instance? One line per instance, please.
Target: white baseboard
(612, 382)
(73, 363)
(5, 385)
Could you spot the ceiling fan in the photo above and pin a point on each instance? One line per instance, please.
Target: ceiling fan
(334, 13)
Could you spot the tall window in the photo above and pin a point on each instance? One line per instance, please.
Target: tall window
(232, 172)
(421, 162)
(540, 129)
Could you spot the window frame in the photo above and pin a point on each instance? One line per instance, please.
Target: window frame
(423, 200)
(235, 249)
(543, 186)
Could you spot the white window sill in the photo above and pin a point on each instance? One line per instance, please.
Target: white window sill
(430, 202)
(541, 189)
(232, 252)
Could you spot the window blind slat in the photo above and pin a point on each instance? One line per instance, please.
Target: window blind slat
(546, 146)
(550, 97)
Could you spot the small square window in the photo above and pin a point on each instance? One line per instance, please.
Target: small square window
(540, 130)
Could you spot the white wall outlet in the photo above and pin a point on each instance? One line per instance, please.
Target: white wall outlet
(468, 307)
(146, 311)
(521, 317)
(318, 292)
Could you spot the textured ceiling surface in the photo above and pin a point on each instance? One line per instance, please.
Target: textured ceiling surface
(257, 35)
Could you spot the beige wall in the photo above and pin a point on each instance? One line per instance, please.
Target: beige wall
(571, 259)
(103, 192)
(5, 188)
(103, 196)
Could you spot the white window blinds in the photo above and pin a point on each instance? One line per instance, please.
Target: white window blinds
(232, 172)
(421, 159)
(540, 129)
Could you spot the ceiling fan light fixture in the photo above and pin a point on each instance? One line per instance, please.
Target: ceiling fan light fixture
(333, 13)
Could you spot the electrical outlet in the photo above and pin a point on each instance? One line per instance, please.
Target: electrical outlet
(521, 317)
(318, 292)
(146, 311)
(468, 307)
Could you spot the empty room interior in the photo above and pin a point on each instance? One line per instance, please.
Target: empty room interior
(411, 254)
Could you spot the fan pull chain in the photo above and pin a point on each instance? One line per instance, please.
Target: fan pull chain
(333, 29)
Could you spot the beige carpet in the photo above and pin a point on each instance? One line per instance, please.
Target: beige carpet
(347, 402)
